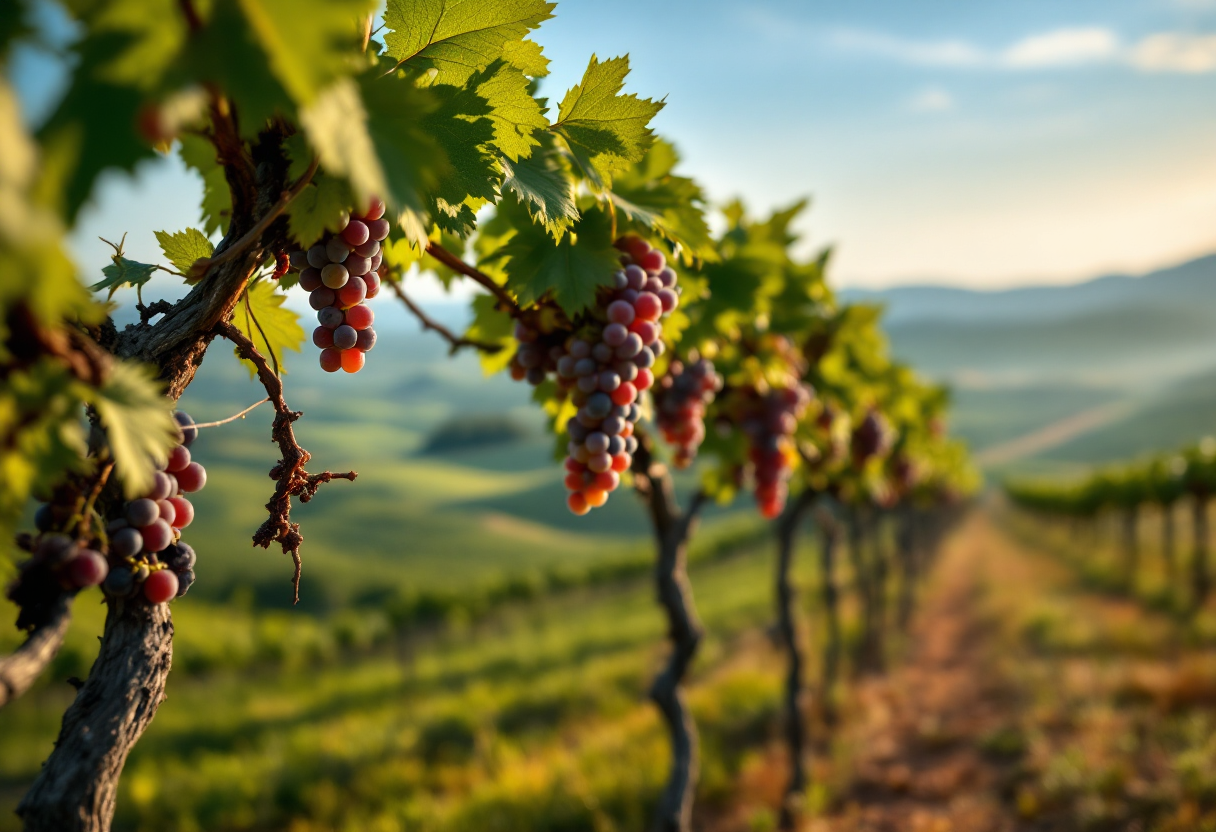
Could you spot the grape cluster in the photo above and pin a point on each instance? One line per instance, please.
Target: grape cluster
(340, 274)
(870, 438)
(769, 423)
(145, 542)
(602, 361)
(680, 399)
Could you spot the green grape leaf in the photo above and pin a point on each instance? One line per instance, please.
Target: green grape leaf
(123, 272)
(526, 56)
(491, 325)
(456, 37)
(336, 124)
(605, 131)
(310, 43)
(409, 155)
(271, 327)
(216, 210)
(546, 188)
(570, 271)
(320, 207)
(228, 54)
(515, 114)
(460, 125)
(139, 426)
(674, 206)
(183, 248)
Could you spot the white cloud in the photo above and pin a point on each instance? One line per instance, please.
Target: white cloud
(1159, 52)
(1062, 47)
(1175, 52)
(922, 53)
(931, 100)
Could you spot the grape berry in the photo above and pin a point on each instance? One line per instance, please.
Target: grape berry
(340, 274)
(680, 399)
(602, 361)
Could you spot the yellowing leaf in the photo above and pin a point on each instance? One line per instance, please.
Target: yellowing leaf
(268, 324)
(183, 248)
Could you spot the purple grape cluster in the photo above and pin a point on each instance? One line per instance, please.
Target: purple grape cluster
(147, 537)
(340, 274)
(603, 363)
(680, 400)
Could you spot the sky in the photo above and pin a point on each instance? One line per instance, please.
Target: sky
(984, 145)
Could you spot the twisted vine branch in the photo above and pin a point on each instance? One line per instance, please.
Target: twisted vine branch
(292, 479)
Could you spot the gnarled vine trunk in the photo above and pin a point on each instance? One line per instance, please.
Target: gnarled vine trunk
(672, 528)
(1131, 548)
(905, 556)
(77, 786)
(1200, 580)
(788, 526)
(829, 541)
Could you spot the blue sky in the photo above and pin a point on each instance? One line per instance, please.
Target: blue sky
(980, 144)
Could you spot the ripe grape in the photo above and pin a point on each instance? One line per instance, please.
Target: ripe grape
(366, 340)
(157, 535)
(359, 317)
(188, 430)
(120, 583)
(322, 337)
(179, 458)
(126, 543)
(331, 360)
(191, 478)
(345, 337)
(160, 586)
(142, 512)
(183, 512)
(330, 317)
(87, 569)
(167, 512)
(352, 361)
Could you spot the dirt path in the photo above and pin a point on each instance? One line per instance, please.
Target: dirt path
(916, 736)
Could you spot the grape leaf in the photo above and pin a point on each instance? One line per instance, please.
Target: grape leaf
(570, 271)
(605, 130)
(183, 248)
(123, 272)
(543, 184)
(227, 53)
(268, 324)
(310, 43)
(526, 56)
(461, 127)
(318, 208)
(336, 124)
(516, 115)
(411, 159)
(139, 426)
(199, 154)
(457, 37)
(674, 206)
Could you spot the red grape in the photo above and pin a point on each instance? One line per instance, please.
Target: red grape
(160, 586)
(192, 478)
(183, 512)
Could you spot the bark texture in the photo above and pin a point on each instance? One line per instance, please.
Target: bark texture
(829, 532)
(672, 529)
(788, 526)
(20, 669)
(79, 782)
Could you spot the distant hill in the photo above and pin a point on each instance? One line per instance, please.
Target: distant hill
(1129, 332)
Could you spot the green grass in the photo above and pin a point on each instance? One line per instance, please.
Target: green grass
(430, 734)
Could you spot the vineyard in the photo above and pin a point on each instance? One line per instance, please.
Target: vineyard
(654, 532)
